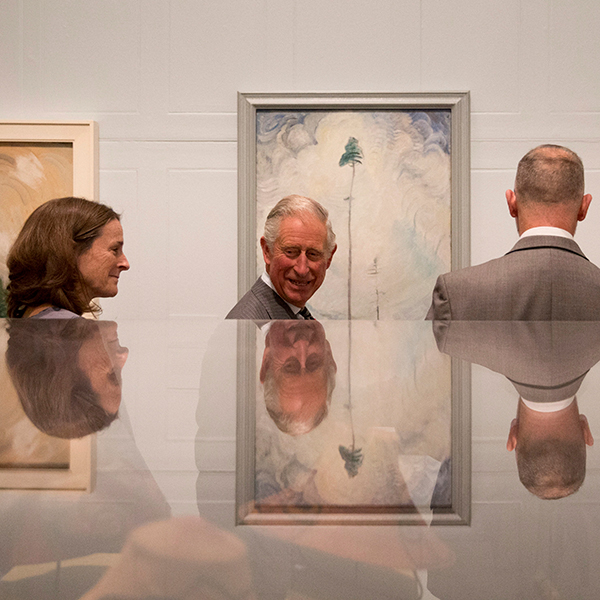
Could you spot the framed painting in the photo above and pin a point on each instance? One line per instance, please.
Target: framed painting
(40, 161)
(351, 422)
(393, 171)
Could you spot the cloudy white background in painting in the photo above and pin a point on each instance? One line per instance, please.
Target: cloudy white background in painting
(401, 201)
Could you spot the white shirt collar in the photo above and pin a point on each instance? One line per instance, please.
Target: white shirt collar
(557, 231)
(548, 406)
(265, 277)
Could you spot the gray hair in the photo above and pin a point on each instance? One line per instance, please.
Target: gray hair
(296, 206)
(550, 174)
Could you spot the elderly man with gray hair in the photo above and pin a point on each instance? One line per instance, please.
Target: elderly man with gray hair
(298, 245)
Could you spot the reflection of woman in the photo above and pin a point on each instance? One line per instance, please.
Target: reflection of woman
(67, 373)
(69, 251)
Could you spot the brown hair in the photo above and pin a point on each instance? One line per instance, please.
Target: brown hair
(42, 262)
(56, 395)
(550, 174)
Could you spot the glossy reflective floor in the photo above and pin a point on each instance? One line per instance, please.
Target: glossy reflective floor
(210, 435)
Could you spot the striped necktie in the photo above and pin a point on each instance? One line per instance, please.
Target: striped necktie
(304, 313)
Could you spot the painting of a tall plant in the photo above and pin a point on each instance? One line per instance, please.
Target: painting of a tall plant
(393, 173)
(352, 156)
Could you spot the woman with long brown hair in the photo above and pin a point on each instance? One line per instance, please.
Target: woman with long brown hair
(69, 251)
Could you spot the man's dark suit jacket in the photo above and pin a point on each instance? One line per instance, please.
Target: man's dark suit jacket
(261, 303)
(543, 278)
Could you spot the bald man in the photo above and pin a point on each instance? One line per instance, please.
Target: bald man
(545, 276)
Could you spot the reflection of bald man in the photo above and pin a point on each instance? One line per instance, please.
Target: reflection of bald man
(546, 362)
(298, 373)
(545, 276)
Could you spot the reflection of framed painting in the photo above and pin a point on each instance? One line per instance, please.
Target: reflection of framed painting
(393, 171)
(68, 467)
(30, 458)
(40, 161)
(351, 422)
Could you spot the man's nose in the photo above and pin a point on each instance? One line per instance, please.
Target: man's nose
(301, 266)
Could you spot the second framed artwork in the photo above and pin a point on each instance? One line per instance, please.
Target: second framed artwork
(393, 172)
(41, 160)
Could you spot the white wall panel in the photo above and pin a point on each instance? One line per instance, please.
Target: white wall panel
(494, 404)
(119, 190)
(574, 35)
(219, 48)
(493, 231)
(181, 414)
(184, 368)
(534, 71)
(215, 455)
(473, 46)
(587, 231)
(89, 56)
(355, 46)
(202, 250)
(11, 54)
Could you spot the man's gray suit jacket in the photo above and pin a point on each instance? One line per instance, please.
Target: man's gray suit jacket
(543, 278)
(545, 360)
(261, 303)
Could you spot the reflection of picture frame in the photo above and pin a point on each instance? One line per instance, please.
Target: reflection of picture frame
(40, 161)
(392, 169)
(413, 467)
(76, 475)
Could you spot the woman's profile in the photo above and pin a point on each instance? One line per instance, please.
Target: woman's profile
(69, 251)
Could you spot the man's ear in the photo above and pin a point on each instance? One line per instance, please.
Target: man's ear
(266, 252)
(585, 428)
(585, 204)
(511, 200)
(331, 256)
(511, 443)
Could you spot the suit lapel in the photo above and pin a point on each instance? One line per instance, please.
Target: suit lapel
(275, 305)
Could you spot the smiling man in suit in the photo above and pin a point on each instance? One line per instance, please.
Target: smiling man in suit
(298, 245)
(546, 275)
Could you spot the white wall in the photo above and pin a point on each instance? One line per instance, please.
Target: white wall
(161, 79)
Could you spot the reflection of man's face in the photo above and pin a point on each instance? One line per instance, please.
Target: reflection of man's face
(298, 358)
(299, 259)
(102, 358)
